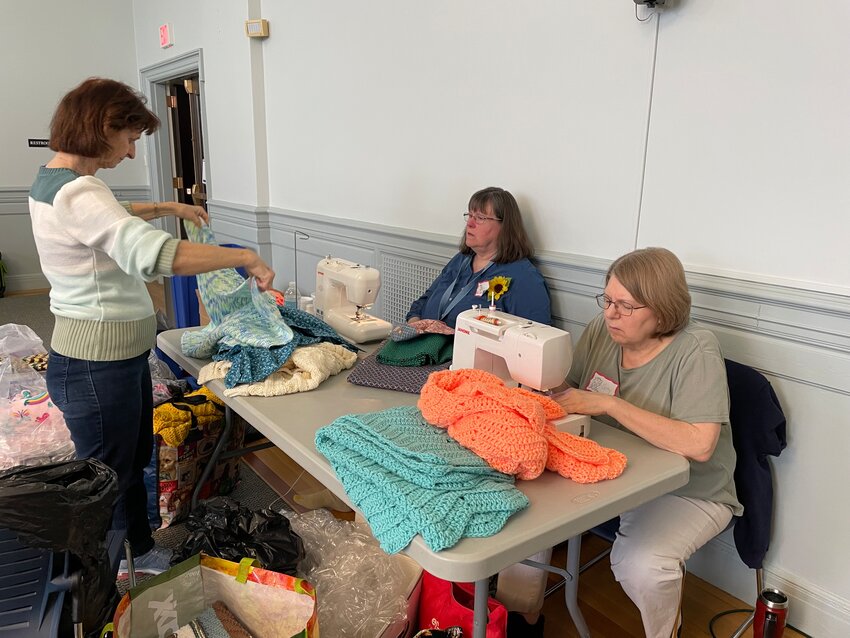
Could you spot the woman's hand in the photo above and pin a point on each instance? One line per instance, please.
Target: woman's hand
(692, 440)
(260, 271)
(583, 402)
(195, 214)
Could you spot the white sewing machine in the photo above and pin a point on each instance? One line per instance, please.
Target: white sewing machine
(531, 354)
(343, 290)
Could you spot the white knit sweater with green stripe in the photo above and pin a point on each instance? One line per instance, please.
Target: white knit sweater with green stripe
(97, 257)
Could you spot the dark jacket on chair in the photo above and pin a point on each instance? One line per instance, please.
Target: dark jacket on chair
(758, 429)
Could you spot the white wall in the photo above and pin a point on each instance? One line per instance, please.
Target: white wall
(75, 41)
(49, 47)
(749, 148)
(395, 112)
(217, 28)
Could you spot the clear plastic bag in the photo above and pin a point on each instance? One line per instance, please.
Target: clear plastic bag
(360, 588)
(32, 429)
(163, 382)
(19, 341)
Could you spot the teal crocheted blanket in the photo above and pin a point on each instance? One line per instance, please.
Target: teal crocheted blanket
(409, 477)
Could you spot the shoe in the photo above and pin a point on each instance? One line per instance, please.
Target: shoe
(518, 626)
(155, 561)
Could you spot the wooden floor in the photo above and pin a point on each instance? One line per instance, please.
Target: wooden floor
(610, 614)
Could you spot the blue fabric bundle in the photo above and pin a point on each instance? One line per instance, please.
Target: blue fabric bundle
(246, 326)
(409, 477)
(250, 364)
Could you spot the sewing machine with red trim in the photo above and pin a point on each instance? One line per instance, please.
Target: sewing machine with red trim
(520, 351)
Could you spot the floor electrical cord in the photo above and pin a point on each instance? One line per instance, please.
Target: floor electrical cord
(720, 615)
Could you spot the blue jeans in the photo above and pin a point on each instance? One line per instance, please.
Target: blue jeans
(108, 407)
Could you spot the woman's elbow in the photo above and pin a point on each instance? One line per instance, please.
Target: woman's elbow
(704, 451)
(701, 457)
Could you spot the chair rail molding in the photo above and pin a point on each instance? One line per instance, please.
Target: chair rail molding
(781, 330)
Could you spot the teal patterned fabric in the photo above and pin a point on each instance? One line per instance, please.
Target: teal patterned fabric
(239, 313)
(409, 477)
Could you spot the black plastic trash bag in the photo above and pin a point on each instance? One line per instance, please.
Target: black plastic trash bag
(67, 507)
(222, 527)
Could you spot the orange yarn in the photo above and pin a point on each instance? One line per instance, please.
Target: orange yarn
(580, 459)
(508, 428)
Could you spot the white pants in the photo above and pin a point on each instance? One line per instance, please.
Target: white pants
(649, 553)
(647, 559)
(521, 587)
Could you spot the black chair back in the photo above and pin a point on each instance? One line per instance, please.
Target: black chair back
(758, 430)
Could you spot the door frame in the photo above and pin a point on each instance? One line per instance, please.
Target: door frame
(153, 79)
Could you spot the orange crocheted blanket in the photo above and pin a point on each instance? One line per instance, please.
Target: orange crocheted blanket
(508, 428)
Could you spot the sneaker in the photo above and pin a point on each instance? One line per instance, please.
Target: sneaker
(155, 561)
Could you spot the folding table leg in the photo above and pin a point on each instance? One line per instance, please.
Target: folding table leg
(571, 586)
(479, 615)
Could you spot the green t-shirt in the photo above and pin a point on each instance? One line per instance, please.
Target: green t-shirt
(686, 381)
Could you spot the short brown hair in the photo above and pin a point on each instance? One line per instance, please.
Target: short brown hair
(513, 243)
(655, 278)
(86, 114)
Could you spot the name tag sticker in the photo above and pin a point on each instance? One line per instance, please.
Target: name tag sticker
(483, 286)
(600, 383)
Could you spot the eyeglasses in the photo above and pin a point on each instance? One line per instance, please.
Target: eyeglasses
(623, 307)
(480, 219)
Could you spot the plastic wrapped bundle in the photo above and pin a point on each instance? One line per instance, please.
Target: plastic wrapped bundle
(360, 588)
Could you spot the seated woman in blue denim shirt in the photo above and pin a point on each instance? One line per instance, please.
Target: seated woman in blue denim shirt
(494, 256)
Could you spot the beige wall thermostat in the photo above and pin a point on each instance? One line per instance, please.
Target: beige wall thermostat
(257, 28)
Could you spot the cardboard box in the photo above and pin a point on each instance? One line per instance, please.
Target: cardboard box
(202, 312)
(296, 487)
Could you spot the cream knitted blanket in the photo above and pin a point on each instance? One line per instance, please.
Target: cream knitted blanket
(304, 370)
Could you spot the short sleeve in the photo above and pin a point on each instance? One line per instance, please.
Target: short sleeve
(700, 389)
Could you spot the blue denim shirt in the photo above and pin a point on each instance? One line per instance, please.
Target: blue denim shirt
(527, 295)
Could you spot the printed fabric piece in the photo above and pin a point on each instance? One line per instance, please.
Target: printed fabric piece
(408, 478)
(509, 428)
(368, 372)
(239, 313)
(252, 364)
(423, 350)
(308, 367)
(32, 431)
(37, 362)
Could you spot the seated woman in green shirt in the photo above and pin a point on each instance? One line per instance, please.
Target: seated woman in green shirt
(643, 366)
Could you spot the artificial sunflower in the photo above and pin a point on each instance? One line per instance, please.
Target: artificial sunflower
(498, 287)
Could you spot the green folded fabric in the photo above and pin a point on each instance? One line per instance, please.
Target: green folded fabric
(424, 350)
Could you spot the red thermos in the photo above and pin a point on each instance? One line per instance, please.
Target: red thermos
(771, 610)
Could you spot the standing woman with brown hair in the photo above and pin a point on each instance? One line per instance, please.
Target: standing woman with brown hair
(97, 254)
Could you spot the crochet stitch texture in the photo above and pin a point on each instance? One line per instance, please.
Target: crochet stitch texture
(408, 477)
(508, 427)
